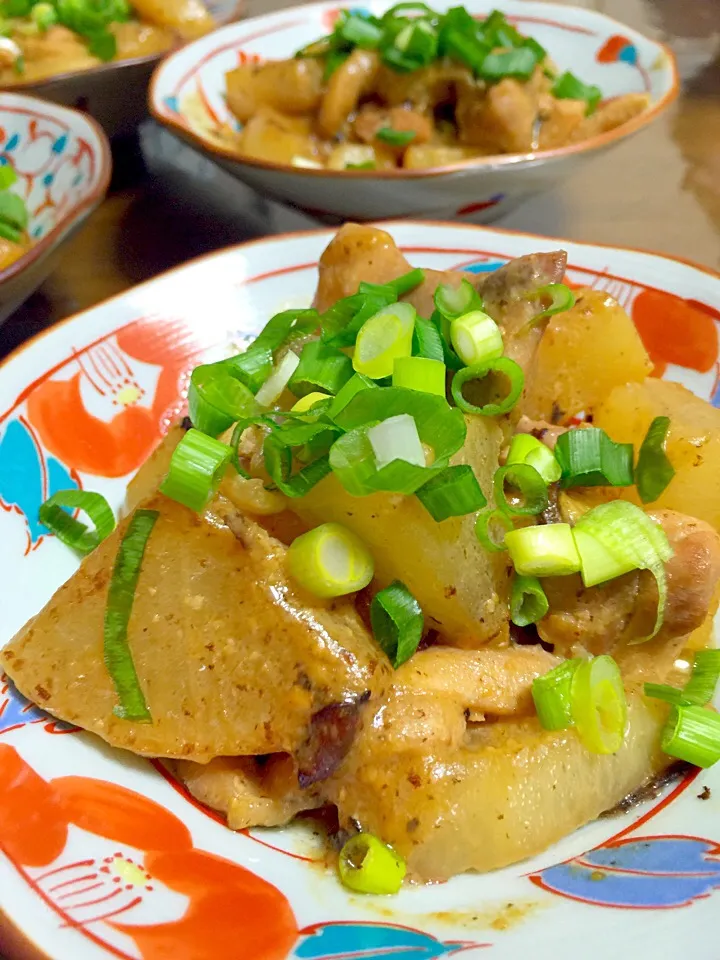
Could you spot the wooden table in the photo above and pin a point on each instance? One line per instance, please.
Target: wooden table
(660, 189)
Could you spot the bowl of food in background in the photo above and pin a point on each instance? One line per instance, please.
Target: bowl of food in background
(55, 169)
(398, 111)
(94, 55)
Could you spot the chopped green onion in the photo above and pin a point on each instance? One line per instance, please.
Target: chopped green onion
(483, 529)
(13, 210)
(419, 373)
(399, 61)
(278, 459)
(255, 365)
(367, 865)
(528, 602)
(10, 233)
(196, 469)
(465, 49)
(568, 87)
(44, 15)
(318, 48)
(321, 367)
(692, 734)
(527, 449)
(599, 705)
(395, 138)
(361, 33)
(518, 63)
(308, 401)
(330, 561)
(368, 165)
(7, 172)
(531, 486)
(561, 298)
(278, 380)
(121, 595)
(552, 696)
(666, 693)
(382, 339)
(614, 538)
(452, 302)
(654, 471)
(453, 493)
(396, 438)
(356, 384)
(399, 286)
(397, 622)
(409, 6)
(335, 59)
(503, 365)
(499, 33)
(70, 531)
(545, 550)
(476, 338)
(700, 687)
(216, 399)
(427, 341)
(419, 41)
(589, 458)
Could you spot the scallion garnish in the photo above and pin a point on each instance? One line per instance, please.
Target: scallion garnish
(321, 367)
(614, 538)
(484, 526)
(558, 297)
(453, 493)
(545, 550)
(504, 366)
(528, 602)
(278, 457)
(530, 486)
(278, 379)
(396, 438)
(70, 531)
(361, 32)
(476, 338)
(395, 138)
(568, 87)
(452, 302)
(524, 448)
(589, 458)
(427, 341)
(518, 63)
(654, 471)
(599, 705)
(7, 175)
(692, 734)
(196, 469)
(356, 384)
(216, 399)
(308, 402)
(330, 561)
(367, 865)
(382, 339)
(120, 599)
(552, 694)
(419, 373)
(397, 622)
(699, 689)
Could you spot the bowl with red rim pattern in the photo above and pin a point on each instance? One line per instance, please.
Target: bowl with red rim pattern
(62, 161)
(104, 856)
(187, 95)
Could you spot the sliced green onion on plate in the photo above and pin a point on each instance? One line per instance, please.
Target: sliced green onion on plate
(216, 399)
(528, 602)
(420, 373)
(453, 493)
(330, 561)
(518, 63)
(527, 449)
(396, 438)
(700, 688)
(452, 302)
(278, 379)
(427, 341)
(367, 865)
(7, 172)
(485, 526)
(196, 469)
(308, 401)
(568, 87)
(73, 533)
(476, 338)
(321, 368)
(654, 471)
(692, 734)
(589, 458)
(545, 550)
(397, 622)
(382, 339)
(560, 298)
(552, 695)
(395, 138)
(599, 705)
(120, 599)
(356, 384)
(504, 366)
(531, 488)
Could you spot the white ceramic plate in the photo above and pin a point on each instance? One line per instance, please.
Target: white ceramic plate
(101, 856)
(187, 94)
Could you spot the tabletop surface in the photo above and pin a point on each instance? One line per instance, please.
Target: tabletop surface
(659, 190)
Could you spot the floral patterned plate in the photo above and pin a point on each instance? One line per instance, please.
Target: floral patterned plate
(101, 855)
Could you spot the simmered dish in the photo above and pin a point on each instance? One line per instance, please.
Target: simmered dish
(415, 89)
(45, 38)
(434, 556)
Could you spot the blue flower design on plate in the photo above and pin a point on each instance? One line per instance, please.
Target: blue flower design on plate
(373, 941)
(15, 710)
(652, 872)
(28, 477)
(487, 267)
